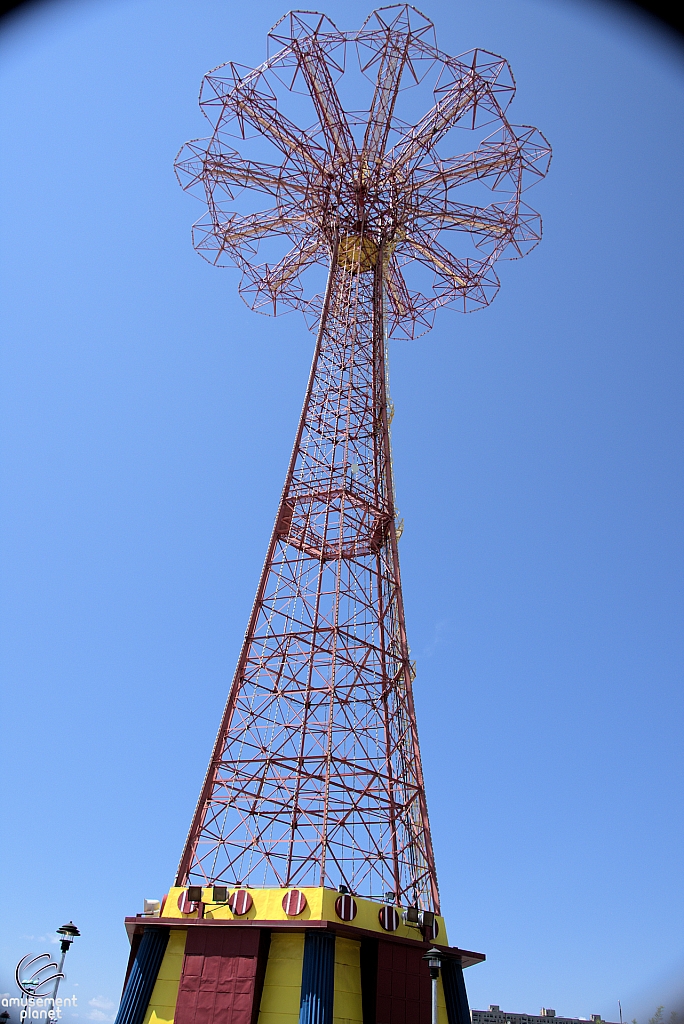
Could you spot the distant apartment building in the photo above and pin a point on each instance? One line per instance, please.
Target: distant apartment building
(495, 1015)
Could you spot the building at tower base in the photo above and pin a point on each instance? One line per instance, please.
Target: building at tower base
(288, 956)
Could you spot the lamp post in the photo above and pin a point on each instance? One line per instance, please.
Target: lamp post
(434, 962)
(68, 933)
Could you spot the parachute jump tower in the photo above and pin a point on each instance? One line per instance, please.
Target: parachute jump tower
(307, 892)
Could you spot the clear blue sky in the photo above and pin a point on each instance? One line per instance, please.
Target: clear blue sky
(147, 416)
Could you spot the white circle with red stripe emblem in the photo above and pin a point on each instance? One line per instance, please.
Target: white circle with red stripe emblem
(240, 902)
(184, 904)
(294, 902)
(389, 918)
(345, 907)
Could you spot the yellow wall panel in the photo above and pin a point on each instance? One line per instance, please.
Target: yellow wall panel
(165, 993)
(275, 1017)
(161, 1015)
(347, 1007)
(283, 981)
(162, 1004)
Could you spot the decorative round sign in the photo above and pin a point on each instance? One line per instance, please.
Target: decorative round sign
(431, 933)
(294, 902)
(345, 907)
(184, 904)
(240, 902)
(389, 918)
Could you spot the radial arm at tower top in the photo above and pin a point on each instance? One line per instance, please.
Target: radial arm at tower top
(316, 777)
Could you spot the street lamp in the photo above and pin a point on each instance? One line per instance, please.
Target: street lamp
(68, 933)
(434, 962)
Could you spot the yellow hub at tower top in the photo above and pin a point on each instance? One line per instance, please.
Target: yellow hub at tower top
(357, 253)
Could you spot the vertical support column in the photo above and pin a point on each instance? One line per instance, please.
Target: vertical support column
(142, 976)
(455, 995)
(318, 979)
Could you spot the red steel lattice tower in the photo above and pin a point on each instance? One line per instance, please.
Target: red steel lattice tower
(315, 778)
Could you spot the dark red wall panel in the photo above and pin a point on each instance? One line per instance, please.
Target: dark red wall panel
(403, 989)
(217, 984)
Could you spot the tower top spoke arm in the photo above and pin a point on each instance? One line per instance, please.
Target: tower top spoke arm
(252, 107)
(390, 69)
(325, 99)
(443, 116)
(237, 228)
(211, 167)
